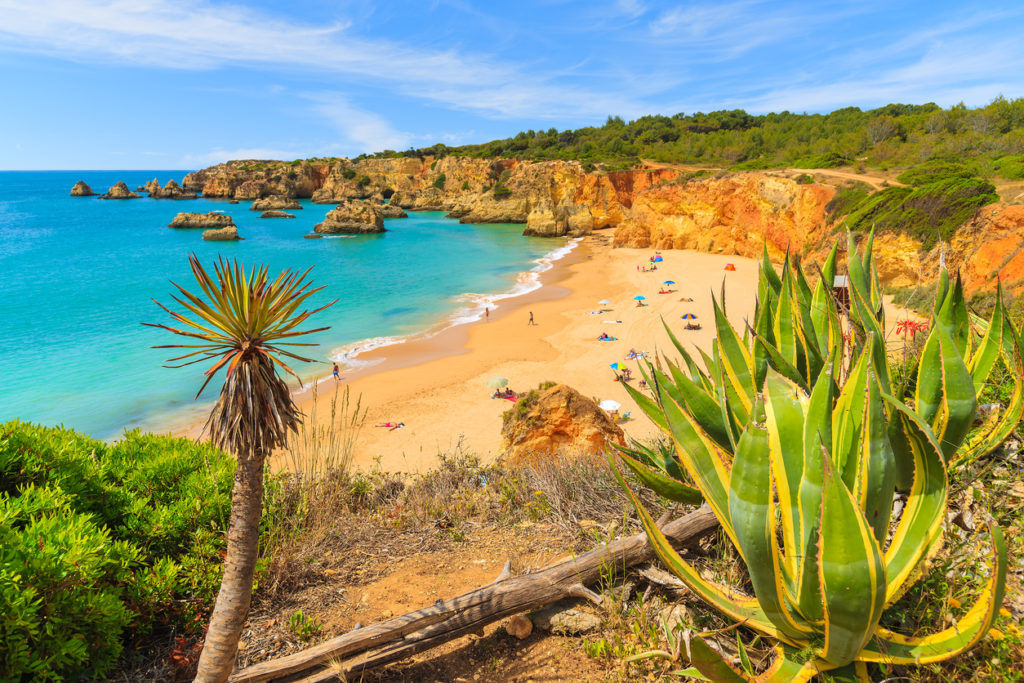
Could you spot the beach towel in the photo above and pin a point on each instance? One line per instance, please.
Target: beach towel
(609, 339)
(611, 322)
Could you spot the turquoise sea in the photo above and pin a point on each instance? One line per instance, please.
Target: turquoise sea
(78, 275)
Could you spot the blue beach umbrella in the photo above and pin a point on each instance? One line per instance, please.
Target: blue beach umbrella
(688, 316)
(656, 259)
(669, 282)
(639, 297)
(615, 366)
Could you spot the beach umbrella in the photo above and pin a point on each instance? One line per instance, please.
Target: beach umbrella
(729, 266)
(604, 302)
(639, 297)
(657, 259)
(609, 405)
(689, 316)
(615, 366)
(497, 383)
(669, 282)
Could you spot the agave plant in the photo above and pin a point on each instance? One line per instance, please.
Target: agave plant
(241, 326)
(797, 439)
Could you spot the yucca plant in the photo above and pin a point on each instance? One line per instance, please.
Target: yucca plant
(241, 326)
(796, 438)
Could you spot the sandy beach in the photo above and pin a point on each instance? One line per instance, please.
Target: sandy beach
(437, 385)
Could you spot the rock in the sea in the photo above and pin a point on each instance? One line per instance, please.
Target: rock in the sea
(392, 211)
(351, 217)
(558, 418)
(169, 191)
(221, 235)
(276, 214)
(206, 221)
(119, 191)
(81, 189)
(275, 202)
(313, 236)
(234, 201)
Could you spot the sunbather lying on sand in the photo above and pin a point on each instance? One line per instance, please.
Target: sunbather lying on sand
(392, 426)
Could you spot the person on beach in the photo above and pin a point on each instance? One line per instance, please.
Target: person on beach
(487, 314)
(337, 377)
(392, 426)
(531, 319)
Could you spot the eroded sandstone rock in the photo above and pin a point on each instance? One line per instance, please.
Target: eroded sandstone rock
(276, 214)
(169, 191)
(351, 217)
(119, 191)
(81, 189)
(275, 202)
(556, 419)
(206, 221)
(221, 234)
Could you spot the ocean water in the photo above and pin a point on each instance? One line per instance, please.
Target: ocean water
(78, 276)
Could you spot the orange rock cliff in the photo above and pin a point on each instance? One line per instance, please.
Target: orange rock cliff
(729, 213)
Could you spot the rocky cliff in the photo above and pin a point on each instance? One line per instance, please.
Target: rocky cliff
(647, 207)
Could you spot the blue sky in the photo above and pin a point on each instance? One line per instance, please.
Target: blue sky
(184, 84)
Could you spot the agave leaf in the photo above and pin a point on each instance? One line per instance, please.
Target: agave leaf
(893, 648)
(752, 514)
(920, 526)
(662, 484)
(701, 405)
(875, 480)
(984, 358)
(944, 396)
(737, 606)
(851, 571)
(848, 416)
(736, 363)
(785, 323)
(785, 668)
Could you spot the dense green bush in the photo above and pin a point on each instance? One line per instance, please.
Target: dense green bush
(933, 171)
(847, 198)
(439, 181)
(348, 174)
(828, 160)
(98, 541)
(1011, 167)
(930, 213)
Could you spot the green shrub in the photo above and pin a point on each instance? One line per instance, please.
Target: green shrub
(465, 184)
(348, 174)
(930, 213)
(933, 171)
(1011, 168)
(847, 198)
(804, 179)
(363, 181)
(140, 523)
(439, 181)
(828, 160)
(500, 192)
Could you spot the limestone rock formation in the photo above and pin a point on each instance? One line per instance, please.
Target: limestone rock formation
(990, 247)
(221, 234)
(313, 236)
(119, 191)
(351, 217)
(81, 189)
(392, 211)
(554, 419)
(152, 186)
(546, 220)
(735, 214)
(275, 202)
(169, 191)
(206, 221)
(276, 214)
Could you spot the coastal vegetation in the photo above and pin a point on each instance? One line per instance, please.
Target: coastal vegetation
(240, 323)
(989, 140)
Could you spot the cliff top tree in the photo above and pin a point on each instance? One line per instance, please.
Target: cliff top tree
(240, 325)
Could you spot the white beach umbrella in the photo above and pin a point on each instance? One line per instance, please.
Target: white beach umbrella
(609, 405)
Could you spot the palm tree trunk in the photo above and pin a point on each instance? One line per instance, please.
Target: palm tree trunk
(232, 607)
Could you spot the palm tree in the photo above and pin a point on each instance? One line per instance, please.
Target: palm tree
(239, 326)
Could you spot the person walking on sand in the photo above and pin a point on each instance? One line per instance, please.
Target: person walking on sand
(487, 314)
(531, 319)
(337, 377)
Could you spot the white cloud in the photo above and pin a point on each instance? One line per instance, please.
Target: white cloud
(631, 8)
(195, 34)
(363, 130)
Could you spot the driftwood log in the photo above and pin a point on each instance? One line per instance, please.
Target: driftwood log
(388, 641)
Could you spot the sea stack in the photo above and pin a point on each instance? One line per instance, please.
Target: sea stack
(352, 217)
(81, 189)
(169, 191)
(206, 221)
(222, 235)
(274, 202)
(276, 214)
(119, 191)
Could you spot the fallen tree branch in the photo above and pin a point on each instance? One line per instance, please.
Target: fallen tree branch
(448, 619)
